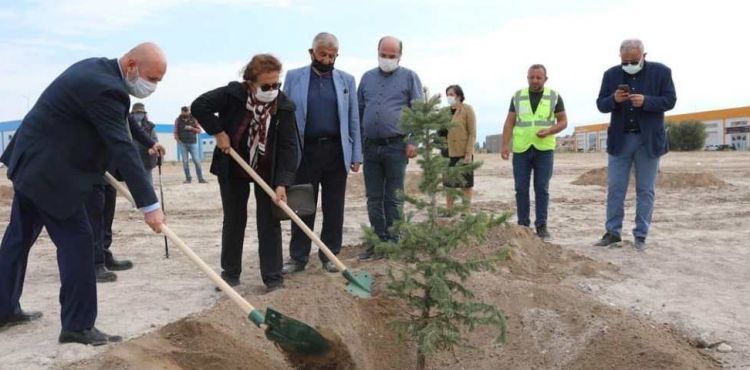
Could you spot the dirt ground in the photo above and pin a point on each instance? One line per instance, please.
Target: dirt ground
(569, 305)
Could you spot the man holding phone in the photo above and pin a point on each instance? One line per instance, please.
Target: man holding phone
(636, 93)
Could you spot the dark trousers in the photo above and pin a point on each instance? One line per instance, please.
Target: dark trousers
(385, 169)
(322, 166)
(100, 207)
(75, 260)
(234, 195)
(540, 163)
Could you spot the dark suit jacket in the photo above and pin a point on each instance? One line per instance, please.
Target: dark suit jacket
(655, 83)
(229, 102)
(64, 143)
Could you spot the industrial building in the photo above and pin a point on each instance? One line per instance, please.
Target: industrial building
(728, 127)
(164, 132)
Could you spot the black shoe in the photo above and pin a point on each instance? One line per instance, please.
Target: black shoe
(20, 317)
(640, 244)
(369, 254)
(231, 281)
(92, 337)
(607, 240)
(292, 266)
(274, 285)
(114, 264)
(543, 234)
(330, 267)
(187, 181)
(104, 276)
(202, 181)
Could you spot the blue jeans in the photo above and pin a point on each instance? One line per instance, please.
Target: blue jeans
(384, 169)
(634, 152)
(192, 149)
(540, 163)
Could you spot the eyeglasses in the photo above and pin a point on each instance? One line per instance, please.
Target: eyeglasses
(267, 87)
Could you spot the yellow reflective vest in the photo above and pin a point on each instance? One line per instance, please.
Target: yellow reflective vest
(529, 122)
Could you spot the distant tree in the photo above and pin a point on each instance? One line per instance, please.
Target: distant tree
(686, 135)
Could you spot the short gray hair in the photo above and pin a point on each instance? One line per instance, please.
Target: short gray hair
(326, 40)
(631, 44)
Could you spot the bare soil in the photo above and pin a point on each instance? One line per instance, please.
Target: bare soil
(570, 305)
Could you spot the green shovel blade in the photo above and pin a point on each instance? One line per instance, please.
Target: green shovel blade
(294, 335)
(360, 283)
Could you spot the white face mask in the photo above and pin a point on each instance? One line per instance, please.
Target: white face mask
(138, 86)
(387, 65)
(633, 69)
(451, 100)
(266, 96)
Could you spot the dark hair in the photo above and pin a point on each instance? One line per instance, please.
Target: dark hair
(457, 90)
(260, 64)
(400, 44)
(185, 109)
(539, 66)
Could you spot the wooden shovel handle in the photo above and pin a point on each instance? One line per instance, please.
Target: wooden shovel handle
(233, 295)
(302, 225)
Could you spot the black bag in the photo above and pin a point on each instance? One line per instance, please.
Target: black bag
(300, 198)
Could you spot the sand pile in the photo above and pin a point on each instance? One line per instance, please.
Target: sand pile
(552, 322)
(668, 180)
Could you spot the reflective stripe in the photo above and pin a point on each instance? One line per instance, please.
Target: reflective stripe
(544, 123)
(520, 123)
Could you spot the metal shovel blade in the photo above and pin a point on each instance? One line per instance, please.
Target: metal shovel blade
(294, 335)
(360, 283)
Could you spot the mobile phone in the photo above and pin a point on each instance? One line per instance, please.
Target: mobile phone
(624, 87)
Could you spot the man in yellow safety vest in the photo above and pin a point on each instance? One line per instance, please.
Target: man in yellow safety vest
(536, 114)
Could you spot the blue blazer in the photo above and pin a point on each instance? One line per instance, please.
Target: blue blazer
(296, 85)
(65, 142)
(655, 83)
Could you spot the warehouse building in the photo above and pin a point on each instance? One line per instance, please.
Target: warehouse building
(206, 142)
(724, 127)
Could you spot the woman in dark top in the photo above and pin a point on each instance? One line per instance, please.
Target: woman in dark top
(257, 120)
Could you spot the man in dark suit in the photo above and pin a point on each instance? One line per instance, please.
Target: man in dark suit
(636, 93)
(58, 154)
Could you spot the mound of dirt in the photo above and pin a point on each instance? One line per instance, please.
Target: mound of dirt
(668, 180)
(6, 194)
(552, 323)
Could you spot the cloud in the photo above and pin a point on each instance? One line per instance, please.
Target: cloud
(77, 17)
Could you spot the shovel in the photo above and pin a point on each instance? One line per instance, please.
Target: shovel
(288, 333)
(360, 284)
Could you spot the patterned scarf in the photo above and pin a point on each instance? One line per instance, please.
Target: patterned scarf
(256, 140)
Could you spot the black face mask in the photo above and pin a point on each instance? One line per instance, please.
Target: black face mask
(322, 68)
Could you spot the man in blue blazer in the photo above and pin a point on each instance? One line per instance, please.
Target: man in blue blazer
(57, 156)
(636, 93)
(328, 121)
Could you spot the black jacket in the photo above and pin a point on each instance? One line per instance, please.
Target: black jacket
(229, 102)
(64, 143)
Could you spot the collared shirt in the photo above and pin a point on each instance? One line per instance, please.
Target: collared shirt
(636, 83)
(382, 97)
(322, 106)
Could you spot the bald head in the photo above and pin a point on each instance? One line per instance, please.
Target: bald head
(147, 59)
(390, 46)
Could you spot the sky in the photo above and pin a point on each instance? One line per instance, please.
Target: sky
(484, 46)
